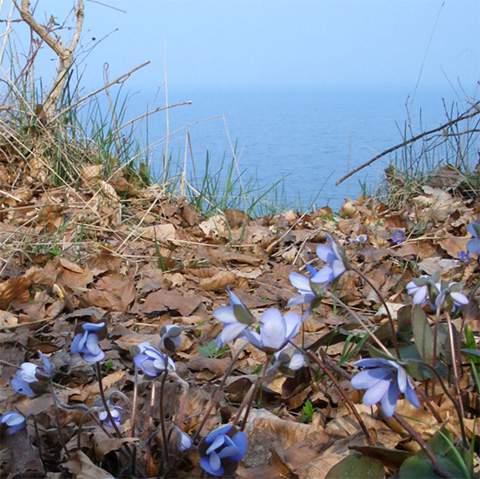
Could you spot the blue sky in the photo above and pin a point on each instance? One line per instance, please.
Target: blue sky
(277, 43)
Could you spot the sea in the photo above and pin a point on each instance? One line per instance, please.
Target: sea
(303, 139)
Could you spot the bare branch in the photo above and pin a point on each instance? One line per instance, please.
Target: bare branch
(470, 113)
(64, 53)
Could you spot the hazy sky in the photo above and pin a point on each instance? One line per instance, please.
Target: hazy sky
(276, 43)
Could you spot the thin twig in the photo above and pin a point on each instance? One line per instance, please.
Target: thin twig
(470, 113)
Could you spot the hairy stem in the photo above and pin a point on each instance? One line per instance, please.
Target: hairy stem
(425, 447)
(162, 418)
(387, 309)
(216, 395)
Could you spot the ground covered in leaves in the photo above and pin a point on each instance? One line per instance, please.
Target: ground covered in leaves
(138, 260)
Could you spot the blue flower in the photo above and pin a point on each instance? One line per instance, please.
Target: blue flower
(398, 237)
(235, 318)
(473, 246)
(115, 411)
(31, 379)
(170, 338)
(12, 422)
(276, 330)
(360, 239)
(332, 255)
(182, 440)
(151, 361)
(451, 295)
(85, 342)
(420, 289)
(222, 450)
(464, 256)
(288, 360)
(306, 293)
(384, 381)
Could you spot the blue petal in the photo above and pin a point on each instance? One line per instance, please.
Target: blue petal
(21, 387)
(325, 253)
(372, 363)
(389, 400)
(93, 327)
(273, 328)
(209, 438)
(369, 377)
(225, 314)
(411, 395)
(302, 283)
(241, 442)
(324, 275)
(231, 332)
(205, 465)
(376, 392)
(219, 441)
(75, 346)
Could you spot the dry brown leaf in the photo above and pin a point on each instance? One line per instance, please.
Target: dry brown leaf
(161, 233)
(114, 292)
(14, 289)
(163, 300)
(7, 319)
(93, 389)
(219, 281)
(82, 467)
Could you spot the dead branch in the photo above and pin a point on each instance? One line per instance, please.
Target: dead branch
(470, 113)
(64, 53)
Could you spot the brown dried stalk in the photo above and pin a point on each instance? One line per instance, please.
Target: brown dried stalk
(64, 53)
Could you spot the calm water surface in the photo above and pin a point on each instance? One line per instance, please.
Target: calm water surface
(308, 136)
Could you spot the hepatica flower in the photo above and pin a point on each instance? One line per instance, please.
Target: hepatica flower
(115, 411)
(85, 342)
(306, 293)
(11, 422)
(422, 289)
(332, 255)
(288, 360)
(398, 237)
(450, 294)
(151, 361)
(182, 440)
(473, 246)
(170, 338)
(222, 450)
(31, 379)
(235, 318)
(384, 381)
(464, 256)
(276, 329)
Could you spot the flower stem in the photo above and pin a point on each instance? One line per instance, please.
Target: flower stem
(387, 309)
(104, 399)
(425, 447)
(134, 418)
(216, 394)
(457, 378)
(345, 397)
(162, 418)
(57, 419)
(255, 392)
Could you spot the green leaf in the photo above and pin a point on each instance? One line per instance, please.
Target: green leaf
(392, 458)
(420, 467)
(422, 332)
(357, 467)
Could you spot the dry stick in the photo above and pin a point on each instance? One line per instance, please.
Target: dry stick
(389, 314)
(470, 113)
(215, 395)
(425, 447)
(347, 400)
(64, 53)
(118, 80)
